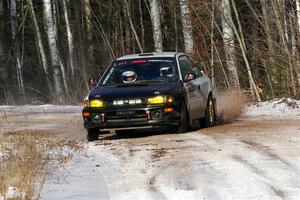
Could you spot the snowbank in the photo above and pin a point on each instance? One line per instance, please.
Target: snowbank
(41, 109)
(284, 107)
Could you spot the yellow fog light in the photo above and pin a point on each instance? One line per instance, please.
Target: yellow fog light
(96, 103)
(156, 100)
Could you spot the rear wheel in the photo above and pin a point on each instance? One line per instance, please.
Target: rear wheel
(182, 128)
(210, 114)
(92, 134)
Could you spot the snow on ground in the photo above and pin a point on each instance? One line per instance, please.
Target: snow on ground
(192, 166)
(284, 107)
(47, 108)
(248, 159)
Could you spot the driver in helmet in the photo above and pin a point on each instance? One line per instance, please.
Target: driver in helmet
(129, 77)
(166, 72)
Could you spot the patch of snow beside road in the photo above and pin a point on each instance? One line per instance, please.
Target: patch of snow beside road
(284, 107)
(47, 108)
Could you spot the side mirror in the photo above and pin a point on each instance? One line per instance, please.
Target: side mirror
(93, 82)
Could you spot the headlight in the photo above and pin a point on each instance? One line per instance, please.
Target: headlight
(96, 103)
(160, 100)
(156, 100)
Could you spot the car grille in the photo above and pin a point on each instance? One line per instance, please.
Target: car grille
(126, 116)
(129, 102)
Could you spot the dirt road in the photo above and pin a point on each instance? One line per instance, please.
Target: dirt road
(250, 158)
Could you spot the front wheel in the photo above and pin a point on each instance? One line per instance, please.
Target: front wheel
(92, 134)
(210, 114)
(183, 126)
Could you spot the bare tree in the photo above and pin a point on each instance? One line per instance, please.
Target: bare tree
(40, 49)
(187, 28)
(229, 44)
(17, 50)
(241, 40)
(298, 30)
(278, 10)
(156, 24)
(1, 30)
(57, 65)
(142, 25)
(70, 36)
(132, 26)
(89, 34)
(298, 13)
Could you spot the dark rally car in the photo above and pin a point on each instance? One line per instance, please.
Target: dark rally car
(152, 90)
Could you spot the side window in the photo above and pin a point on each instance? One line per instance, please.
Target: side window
(185, 68)
(197, 72)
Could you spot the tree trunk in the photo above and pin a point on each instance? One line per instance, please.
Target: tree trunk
(175, 26)
(142, 25)
(297, 42)
(41, 49)
(1, 31)
(212, 25)
(132, 26)
(17, 50)
(89, 34)
(80, 44)
(70, 37)
(240, 37)
(156, 25)
(298, 14)
(187, 28)
(57, 66)
(281, 30)
(121, 32)
(229, 45)
(270, 43)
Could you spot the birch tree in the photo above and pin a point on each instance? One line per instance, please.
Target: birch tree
(17, 50)
(1, 30)
(40, 49)
(57, 66)
(298, 13)
(2, 55)
(298, 28)
(229, 44)
(156, 25)
(89, 34)
(187, 28)
(70, 37)
(132, 26)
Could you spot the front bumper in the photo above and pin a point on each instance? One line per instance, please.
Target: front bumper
(131, 118)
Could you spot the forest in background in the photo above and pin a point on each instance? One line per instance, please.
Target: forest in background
(50, 48)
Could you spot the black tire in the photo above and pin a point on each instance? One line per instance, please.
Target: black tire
(183, 126)
(92, 134)
(210, 114)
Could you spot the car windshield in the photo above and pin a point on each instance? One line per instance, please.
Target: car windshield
(140, 71)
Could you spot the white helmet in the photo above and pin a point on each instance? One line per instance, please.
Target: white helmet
(129, 77)
(166, 71)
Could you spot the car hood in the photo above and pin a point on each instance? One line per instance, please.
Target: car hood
(144, 90)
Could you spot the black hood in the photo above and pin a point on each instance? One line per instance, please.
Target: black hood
(127, 91)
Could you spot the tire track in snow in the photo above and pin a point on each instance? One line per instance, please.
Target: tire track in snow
(129, 177)
(223, 162)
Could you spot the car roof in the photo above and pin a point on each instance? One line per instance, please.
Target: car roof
(149, 55)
